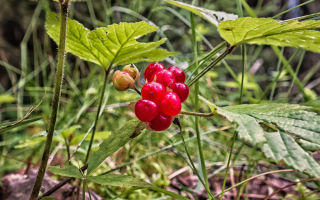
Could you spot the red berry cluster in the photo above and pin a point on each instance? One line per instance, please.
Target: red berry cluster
(162, 96)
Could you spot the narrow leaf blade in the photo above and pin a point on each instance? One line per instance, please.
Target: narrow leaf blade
(118, 180)
(69, 171)
(115, 141)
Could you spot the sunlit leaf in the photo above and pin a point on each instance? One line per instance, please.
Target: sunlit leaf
(215, 17)
(113, 45)
(267, 31)
(6, 98)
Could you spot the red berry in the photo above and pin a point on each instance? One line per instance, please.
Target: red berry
(146, 110)
(151, 70)
(171, 104)
(182, 90)
(153, 91)
(178, 74)
(160, 123)
(164, 77)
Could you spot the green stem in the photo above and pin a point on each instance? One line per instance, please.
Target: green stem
(234, 138)
(211, 65)
(288, 67)
(197, 114)
(98, 112)
(64, 6)
(228, 164)
(202, 161)
(243, 52)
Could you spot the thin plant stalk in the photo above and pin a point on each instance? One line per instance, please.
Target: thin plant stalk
(211, 65)
(228, 165)
(98, 113)
(234, 138)
(64, 8)
(200, 151)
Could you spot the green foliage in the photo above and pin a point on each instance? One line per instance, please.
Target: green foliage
(108, 46)
(114, 142)
(118, 180)
(214, 17)
(277, 129)
(303, 194)
(6, 98)
(268, 31)
(69, 171)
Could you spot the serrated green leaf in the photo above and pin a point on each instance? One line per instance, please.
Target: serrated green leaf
(113, 45)
(267, 31)
(281, 146)
(69, 171)
(214, 17)
(118, 180)
(297, 131)
(114, 142)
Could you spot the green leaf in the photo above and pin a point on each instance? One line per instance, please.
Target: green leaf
(214, 17)
(67, 132)
(267, 31)
(118, 180)
(285, 132)
(69, 171)
(6, 98)
(113, 45)
(114, 142)
(47, 198)
(100, 135)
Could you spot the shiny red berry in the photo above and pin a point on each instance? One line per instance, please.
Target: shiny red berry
(153, 91)
(146, 110)
(171, 104)
(164, 77)
(182, 90)
(178, 74)
(160, 123)
(151, 70)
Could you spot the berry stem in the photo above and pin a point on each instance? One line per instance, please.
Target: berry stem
(197, 114)
(211, 65)
(64, 7)
(135, 89)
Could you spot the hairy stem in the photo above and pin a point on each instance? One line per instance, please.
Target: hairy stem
(56, 98)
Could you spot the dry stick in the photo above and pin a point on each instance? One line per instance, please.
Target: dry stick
(254, 177)
(64, 5)
(289, 185)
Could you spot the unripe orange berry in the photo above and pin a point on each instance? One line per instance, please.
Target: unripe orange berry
(133, 71)
(122, 80)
